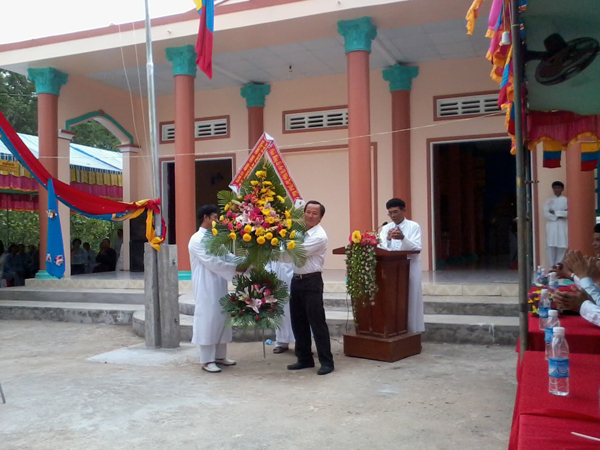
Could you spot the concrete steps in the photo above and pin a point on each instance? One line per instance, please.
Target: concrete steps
(105, 313)
(79, 295)
(459, 318)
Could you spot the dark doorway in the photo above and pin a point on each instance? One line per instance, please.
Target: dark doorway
(474, 205)
(212, 176)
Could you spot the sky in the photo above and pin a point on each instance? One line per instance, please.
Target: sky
(24, 20)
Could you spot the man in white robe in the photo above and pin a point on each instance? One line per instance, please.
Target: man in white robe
(402, 234)
(283, 335)
(557, 234)
(210, 275)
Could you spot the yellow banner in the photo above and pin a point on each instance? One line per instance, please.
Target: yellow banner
(9, 166)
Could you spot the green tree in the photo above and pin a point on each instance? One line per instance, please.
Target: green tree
(18, 102)
(93, 134)
(19, 227)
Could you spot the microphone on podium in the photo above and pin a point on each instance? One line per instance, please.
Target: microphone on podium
(382, 225)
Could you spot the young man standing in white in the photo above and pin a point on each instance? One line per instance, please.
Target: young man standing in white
(209, 276)
(557, 234)
(404, 235)
(284, 335)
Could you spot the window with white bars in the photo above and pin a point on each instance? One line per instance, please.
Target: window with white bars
(203, 129)
(466, 106)
(334, 118)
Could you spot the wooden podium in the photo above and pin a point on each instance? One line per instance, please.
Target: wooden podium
(381, 329)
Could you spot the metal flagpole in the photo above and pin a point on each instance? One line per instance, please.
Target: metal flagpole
(521, 192)
(152, 118)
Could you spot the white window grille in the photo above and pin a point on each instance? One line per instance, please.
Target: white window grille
(203, 129)
(334, 118)
(466, 106)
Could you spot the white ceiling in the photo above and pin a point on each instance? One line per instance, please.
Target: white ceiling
(407, 45)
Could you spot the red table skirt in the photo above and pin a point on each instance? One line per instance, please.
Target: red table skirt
(582, 336)
(533, 399)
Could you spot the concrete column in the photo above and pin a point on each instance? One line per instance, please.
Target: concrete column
(184, 72)
(358, 35)
(48, 82)
(64, 175)
(582, 205)
(130, 168)
(255, 95)
(400, 80)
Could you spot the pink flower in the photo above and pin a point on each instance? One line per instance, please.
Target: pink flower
(229, 213)
(230, 226)
(267, 292)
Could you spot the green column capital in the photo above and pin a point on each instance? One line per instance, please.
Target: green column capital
(400, 77)
(255, 94)
(47, 80)
(358, 34)
(183, 59)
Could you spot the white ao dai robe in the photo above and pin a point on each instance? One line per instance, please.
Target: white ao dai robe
(411, 241)
(285, 272)
(210, 275)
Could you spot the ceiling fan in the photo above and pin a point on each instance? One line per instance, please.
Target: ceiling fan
(563, 60)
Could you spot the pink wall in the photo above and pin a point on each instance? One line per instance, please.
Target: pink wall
(321, 172)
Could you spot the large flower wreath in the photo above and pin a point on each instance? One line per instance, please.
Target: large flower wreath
(258, 225)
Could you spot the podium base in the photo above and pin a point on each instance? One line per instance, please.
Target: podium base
(379, 349)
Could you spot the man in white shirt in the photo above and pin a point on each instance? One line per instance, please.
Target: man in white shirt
(578, 301)
(306, 296)
(209, 277)
(403, 235)
(557, 235)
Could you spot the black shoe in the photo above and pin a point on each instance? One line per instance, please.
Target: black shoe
(301, 365)
(324, 370)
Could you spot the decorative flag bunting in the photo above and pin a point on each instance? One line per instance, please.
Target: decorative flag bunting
(552, 154)
(55, 250)
(266, 144)
(87, 204)
(204, 43)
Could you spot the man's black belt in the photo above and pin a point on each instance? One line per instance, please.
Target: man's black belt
(306, 275)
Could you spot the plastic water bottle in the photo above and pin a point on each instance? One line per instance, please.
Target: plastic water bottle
(269, 342)
(543, 308)
(552, 283)
(550, 324)
(538, 275)
(558, 363)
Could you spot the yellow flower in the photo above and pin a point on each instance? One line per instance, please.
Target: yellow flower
(266, 212)
(260, 240)
(288, 222)
(287, 213)
(269, 199)
(267, 183)
(282, 233)
(269, 236)
(281, 199)
(240, 197)
(356, 237)
(270, 220)
(226, 207)
(259, 231)
(247, 237)
(293, 234)
(261, 174)
(291, 245)
(274, 242)
(214, 224)
(214, 231)
(248, 229)
(254, 182)
(221, 218)
(232, 236)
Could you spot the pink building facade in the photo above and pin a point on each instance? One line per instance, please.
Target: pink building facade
(366, 103)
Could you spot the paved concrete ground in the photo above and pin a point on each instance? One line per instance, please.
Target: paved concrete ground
(449, 397)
